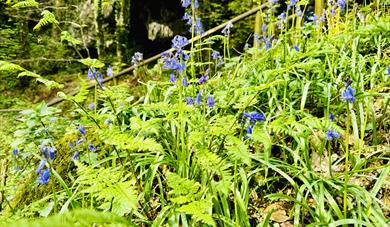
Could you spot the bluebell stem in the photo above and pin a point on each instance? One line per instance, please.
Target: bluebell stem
(190, 101)
(44, 177)
(185, 82)
(226, 30)
(198, 99)
(109, 71)
(15, 151)
(41, 165)
(210, 102)
(348, 94)
(92, 106)
(82, 130)
(172, 78)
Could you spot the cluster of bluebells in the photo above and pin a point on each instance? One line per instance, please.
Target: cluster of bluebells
(176, 61)
(332, 134)
(348, 94)
(48, 153)
(267, 40)
(341, 4)
(226, 29)
(78, 142)
(197, 25)
(215, 55)
(137, 58)
(209, 102)
(251, 119)
(93, 74)
(187, 3)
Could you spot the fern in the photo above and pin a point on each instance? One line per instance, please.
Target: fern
(183, 189)
(200, 211)
(48, 18)
(24, 4)
(65, 36)
(81, 217)
(237, 150)
(216, 166)
(10, 67)
(103, 183)
(124, 141)
(92, 63)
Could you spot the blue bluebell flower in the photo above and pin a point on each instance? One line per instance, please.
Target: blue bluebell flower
(330, 134)
(323, 15)
(296, 48)
(275, 2)
(44, 177)
(215, 55)
(185, 82)
(75, 155)
(137, 58)
(108, 122)
(198, 99)
(78, 142)
(187, 17)
(342, 4)
(203, 79)
(196, 4)
(249, 130)
(91, 148)
(331, 117)
(291, 4)
(100, 80)
(198, 27)
(282, 16)
(264, 28)
(190, 100)
(268, 42)
(388, 71)
(172, 78)
(186, 3)
(348, 94)
(45, 151)
(210, 102)
(71, 145)
(52, 153)
(91, 73)
(298, 11)
(92, 106)
(254, 116)
(179, 42)
(332, 11)
(109, 71)
(41, 165)
(226, 29)
(15, 151)
(247, 46)
(82, 130)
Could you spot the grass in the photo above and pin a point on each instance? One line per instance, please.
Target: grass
(162, 162)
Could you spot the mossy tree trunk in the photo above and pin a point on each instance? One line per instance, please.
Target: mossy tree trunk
(122, 28)
(99, 28)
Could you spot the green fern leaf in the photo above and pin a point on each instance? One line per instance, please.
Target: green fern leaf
(92, 63)
(200, 211)
(65, 36)
(237, 150)
(24, 4)
(48, 18)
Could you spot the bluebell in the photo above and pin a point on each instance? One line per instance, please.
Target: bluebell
(44, 177)
(190, 100)
(91, 148)
(82, 130)
(210, 102)
(198, 99)
(348, 94)
(15, 151)
(185, 82)
(41, 165)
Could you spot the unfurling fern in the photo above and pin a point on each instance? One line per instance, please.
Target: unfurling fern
(48, 18)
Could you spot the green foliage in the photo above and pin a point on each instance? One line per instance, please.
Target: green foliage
(47, 18)
(24, 4)
(92, 63)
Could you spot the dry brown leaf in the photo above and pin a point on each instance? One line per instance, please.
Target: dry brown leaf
(279, 214)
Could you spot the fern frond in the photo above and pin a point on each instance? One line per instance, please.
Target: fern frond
(10, 67)
(83, 93)
(48, 18)
(199, 210)
(183, 189)
(95, 63)
(24, 4)
(237, 150)
(65, 36)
